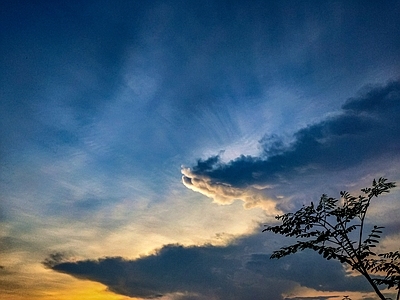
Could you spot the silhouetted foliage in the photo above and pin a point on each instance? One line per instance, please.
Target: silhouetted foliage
(335, 229)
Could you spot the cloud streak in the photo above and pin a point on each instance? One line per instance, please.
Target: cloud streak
(366, 129)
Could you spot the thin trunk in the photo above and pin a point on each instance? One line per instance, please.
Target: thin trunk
(374, 286)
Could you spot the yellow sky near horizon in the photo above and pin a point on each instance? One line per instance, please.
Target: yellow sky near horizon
(23, 277)
(70, 288)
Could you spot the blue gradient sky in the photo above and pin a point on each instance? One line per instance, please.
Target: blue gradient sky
(154, 138)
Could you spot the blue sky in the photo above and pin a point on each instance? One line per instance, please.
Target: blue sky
(161, 135)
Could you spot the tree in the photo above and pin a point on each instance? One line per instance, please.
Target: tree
(335, 229)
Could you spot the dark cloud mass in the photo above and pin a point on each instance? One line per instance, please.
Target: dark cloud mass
(366, 128)
(210, 272)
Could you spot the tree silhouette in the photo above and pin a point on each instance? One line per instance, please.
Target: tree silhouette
(335, 229)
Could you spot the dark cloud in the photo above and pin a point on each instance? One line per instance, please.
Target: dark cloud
(301, 268)
(366, 129)
(210, 272)
(55, 259)
(172, 269)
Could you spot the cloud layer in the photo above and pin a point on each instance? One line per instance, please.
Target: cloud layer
(365, 129)
(236, 271)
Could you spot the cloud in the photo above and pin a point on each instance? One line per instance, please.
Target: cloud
(365, 130)
(54, 259)
(225, 194)
(235, 271)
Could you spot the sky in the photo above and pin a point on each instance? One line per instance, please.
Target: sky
(145, 144)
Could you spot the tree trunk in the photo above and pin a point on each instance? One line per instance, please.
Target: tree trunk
(374, 286)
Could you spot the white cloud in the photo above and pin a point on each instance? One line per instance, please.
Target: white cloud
(225, 194)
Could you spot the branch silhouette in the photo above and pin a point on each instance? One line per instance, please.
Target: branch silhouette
(330, 228)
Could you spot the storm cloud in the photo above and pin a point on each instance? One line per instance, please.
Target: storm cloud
(366, 128)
